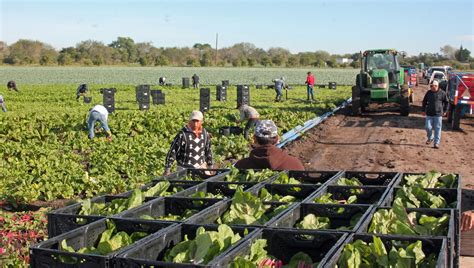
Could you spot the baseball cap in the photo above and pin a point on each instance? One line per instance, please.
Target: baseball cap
(196, 115)
(435, 82)
(266, 129)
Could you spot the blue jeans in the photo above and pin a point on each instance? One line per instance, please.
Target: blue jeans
(309, 91)
(278, 93)
(433, 123)
(94, 117)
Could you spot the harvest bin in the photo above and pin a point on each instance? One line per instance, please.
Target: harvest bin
(299, 191)
(211, 215)
(169, 205)
(372, 178)
(283, 244)
(179, 184)
(339, 215)
(450, 230)
(434, 245)
(402, 182)
(197, 174)
(313, 176)
(47, 253)
(368, 195)
(224, 188)
(151, 252)
(450, 195)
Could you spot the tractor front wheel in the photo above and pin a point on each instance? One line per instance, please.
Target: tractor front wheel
(356, 100)
(404, 101)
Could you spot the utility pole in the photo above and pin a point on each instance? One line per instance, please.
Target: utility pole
(215, 60)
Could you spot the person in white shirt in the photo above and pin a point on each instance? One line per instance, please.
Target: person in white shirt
(2, 103)
(98, 113)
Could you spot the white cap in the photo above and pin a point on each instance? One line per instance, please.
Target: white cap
(435, 82)
(196, 115)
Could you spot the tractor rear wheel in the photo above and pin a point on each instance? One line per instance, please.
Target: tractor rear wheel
(456, 117)
(449, 113)
(412, 96)
(355, 100)
(404, 101)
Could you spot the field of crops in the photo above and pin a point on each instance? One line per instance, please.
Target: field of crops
(150, 75)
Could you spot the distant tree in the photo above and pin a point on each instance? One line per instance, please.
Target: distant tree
(463, 54)
(127, 48)
(4, 51)
(449, 52)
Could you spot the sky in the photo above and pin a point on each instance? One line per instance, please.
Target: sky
(336, 26)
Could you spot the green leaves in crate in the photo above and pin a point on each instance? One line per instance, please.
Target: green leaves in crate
(310, 221)
(432, 179)
(266, 196)
(204, 247)
(283, 178)
(417, 197)
(201, 194)
(249, 175)
(397, 221)
(348, 182)
(361, 254)
(327, 199)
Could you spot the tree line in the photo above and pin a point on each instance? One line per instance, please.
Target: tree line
(124, 51)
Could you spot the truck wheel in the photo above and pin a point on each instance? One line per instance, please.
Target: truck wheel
(412, 96)
(404, 101)
(355, 100)
(456, 117)
(449, 113)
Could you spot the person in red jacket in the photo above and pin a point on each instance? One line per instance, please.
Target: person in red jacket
(265, 154)
(310, 85)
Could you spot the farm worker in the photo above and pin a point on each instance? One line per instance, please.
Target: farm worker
(162, 81)
(250, 114)
(81, 91)
(98, 113)
(2, 103)
(434, 107)
(310, 85)
(11, 85)
(195, 81)
(265, 153)
(191, 147)
(279, 85)
(467, 220)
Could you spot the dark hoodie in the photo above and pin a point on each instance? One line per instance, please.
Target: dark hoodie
(269, 156)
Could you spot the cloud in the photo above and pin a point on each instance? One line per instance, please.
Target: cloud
(466, 37)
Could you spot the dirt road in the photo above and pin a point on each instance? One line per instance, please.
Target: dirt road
(386, 141)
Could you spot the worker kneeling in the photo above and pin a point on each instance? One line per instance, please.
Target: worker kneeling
(265, 153)
(98, 113)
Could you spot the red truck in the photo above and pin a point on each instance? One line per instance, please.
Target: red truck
(460, 92)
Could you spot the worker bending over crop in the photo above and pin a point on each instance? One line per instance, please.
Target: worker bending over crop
(98, 113)
(250, 114)
(81, 91)
(191, 147)
(265, 153)
(11, 85)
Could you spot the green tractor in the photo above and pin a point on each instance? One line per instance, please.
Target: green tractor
(381, 80)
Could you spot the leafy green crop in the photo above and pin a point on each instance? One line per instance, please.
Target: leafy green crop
(121, 204)
(258, 257)
(312, 221)
(172, 217)
(204, 247)
(266, 196)
(417, 197)
(110, 240)
(246, 208)
(249, 175)
(201, 194)
(361, 254)
(432, 179)
(327, 199)
(283, 178)
(397, 221)
(349, 182)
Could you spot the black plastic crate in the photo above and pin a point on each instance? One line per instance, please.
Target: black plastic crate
(65, 219)
(47, 253)
(283, 244)
(299, 191)
(339, 215)
(151, 252)
(458, 178)
(173, 184)
(366, 195)
(230, 130)
(387, 179)
(169, 205)
(436, 245)
(211, 215)
(197, 174)
(222, 176)
(450, 195)
(452, 245)
(314, 176)
(225, 188)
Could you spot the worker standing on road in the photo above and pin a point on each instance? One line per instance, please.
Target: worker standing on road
(98, 113)
(310, 86)
(2, 103)
(250, 114)
(279, 85)
(191, 147)
(434, 107)
(195, 81)
(265, 154)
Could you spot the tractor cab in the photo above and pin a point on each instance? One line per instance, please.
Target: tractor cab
(382, 66)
